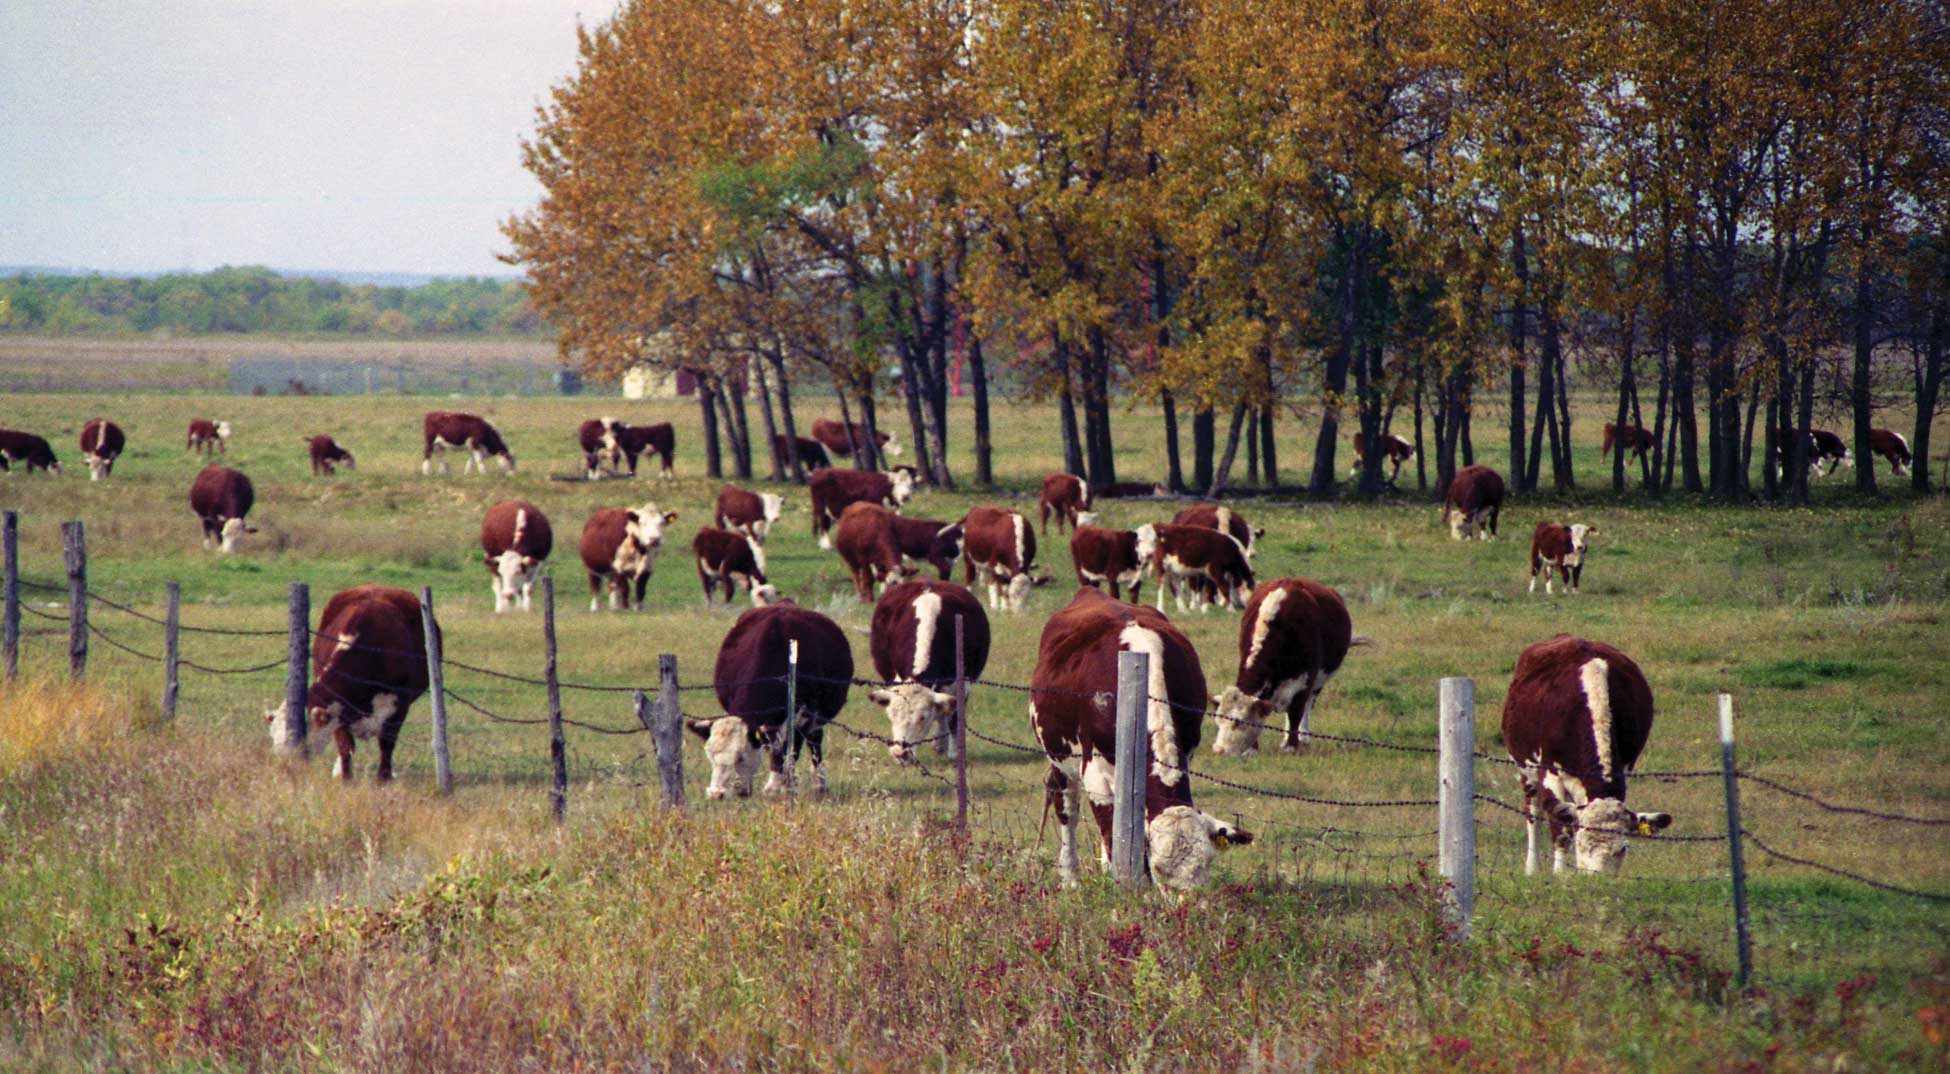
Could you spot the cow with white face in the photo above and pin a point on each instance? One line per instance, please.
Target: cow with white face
(515, 540)
(1292, 640)
(734, 750)
(913, 644)
(750, 678)
(619, 546)
(369, 666)
(1000, 545)
(750, 513)
(1559, 548)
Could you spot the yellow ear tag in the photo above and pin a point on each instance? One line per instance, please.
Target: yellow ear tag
(1222, 842)
(1645, 828)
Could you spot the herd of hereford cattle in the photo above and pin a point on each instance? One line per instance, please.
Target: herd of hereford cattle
(1576, 717)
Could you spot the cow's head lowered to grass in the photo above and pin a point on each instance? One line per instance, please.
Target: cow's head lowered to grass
(734, 750)
(916, 713)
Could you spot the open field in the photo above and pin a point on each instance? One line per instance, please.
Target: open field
(1830, 625)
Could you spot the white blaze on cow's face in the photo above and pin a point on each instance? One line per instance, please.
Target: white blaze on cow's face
(733, 755)
(1017, 593)
(223, 430)
(1184, 842)
(514, 573)
(903, 489)
(774, 505)
(1241, 717)
(915, 712)
(1086, 518)
(233, 529)
(1147, 542)
(891, 447)
(764, 596)
(1604, 829)
(1578, 533)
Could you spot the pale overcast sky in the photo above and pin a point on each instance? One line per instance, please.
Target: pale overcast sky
(369, 135)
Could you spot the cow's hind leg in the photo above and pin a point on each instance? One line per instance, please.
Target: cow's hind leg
(1061, 794)
(1099, 785)
(815, 740)
(342, 768)
(1532, 853)
(595, 592)
(388, 735)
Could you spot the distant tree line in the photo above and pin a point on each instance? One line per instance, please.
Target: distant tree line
(255, 299)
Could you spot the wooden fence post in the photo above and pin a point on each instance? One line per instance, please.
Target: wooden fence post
(74, 550)
(668, 732)
(1456, 845)
(1731, 775)
(443, 770)
(789, 731)
(558, 749)
(1127, 843)
(961, 727)
(172, 622)
(297, 673)
(10, 614)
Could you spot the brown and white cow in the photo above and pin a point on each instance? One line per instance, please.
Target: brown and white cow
(1069, 498)
(1575, 720)
(728, 559)
(832, 436)
(619, 547)
(750, 677)
(369, 665)
(1000, 545)
(913, 648)
(865, 540)
(1398, 451)
(1472, 503)
(1559, 548)
(101, 444)
(221, 497)
(928, 540)
(207, 436)
(442, 430)
(1893, 446)
(606, 438)
(833, 491)
(1202, 562)
(1825, 450)
(751, 513)
(812, 455)
(1117, 558)
(1072, 715)
(327, 455)
(1292, 640)
(515, 539)
(1634, 438)
(1219, 517)
(26, 448)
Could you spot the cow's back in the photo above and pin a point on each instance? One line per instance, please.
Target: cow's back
(374, 634)
(752, 664)
(517, 525)
(923, 611)
(221, 490)
(1546, 713)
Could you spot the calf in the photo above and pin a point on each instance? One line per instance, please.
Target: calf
(1001, 546)
(750, 513)
(1114, 557)
(1069, 498)
(1214, 516)
(1073, 719)
(29, 449)
(727, 558)
(750, 677)
(865, 539)
(1575, 720)
(1202, 561)
(369, 666)
(599, 447)
(619, 547)
(221, 497)
(835, 490)
(1292, 639)
(832, 435)
(327, 455)
(812, 455)
(207, 436)
(101, 444)
(442, 430)
(1398, 451)
(1472, 503)
(927, 540)
(913, 647)
(515, 539)
(1636, 438)
(1561, 548)
(1892, 446)
(608, 438)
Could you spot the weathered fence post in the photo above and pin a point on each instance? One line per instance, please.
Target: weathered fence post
(558, 750)
(1456, 851)
(668, 733)
(172, 622)
(443, 771)
(1127, 845)
(297, 672)
(961, 727)
(74, 550)
(789, 731)
(1734, 850)
(10, 615)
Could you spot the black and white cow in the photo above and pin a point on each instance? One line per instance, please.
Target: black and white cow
(1292, 640)
(369, 665)
(913, 647)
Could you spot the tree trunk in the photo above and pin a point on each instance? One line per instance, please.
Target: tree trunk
(1859, 401)
(1268, 447)
(1204, 433)
(917, 424)
(793, 463)
(1324, 478)
(1467, 443)
(1520, 263)
(1565, 464)
(1174, 468)
(1421, 467)
(741, 459)
(713, 461)
(1526, 480)
(1102, 463)
(1926, 396)
(771, 427)
(1620, 427)
(1232, 448)
(1252, 446)
(984, 449)
(1066, 411)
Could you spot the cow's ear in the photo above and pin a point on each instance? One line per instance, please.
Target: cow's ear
(1653, 822)
(940, 698)
(1564, 812)
(1042, 579)
(881, 698)
(700, 728)
(669, 517)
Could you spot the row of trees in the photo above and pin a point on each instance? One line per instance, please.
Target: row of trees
(1238, 209)
(254, 299)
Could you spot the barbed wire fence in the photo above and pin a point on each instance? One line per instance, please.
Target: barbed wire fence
(1462, 810)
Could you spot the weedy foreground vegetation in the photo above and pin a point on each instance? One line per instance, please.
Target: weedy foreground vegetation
(172, 898)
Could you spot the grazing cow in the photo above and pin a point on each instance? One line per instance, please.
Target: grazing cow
(1561, 548)
(1001, 546)
(1118, 558)
(1203, 561)
(1472, 503)
(207, 436)
(728, 559)
(619, 546)
(832, 436)
(1069, 498)
(1892, 446)
(369, 665)
(1635, 438)
(750, 513)
(102, 442)
(865, 539)
(327, 455)
(26, 448)
(1398, 452)
(515, 539)
(913, 647)
(606, 438)
(750, 676)
(221, 497)
(1575, 720)
(1825, 450)
(1213, 516)
(482, 440)
(599, 447)
(1292, 639)
(834, 491)
(1122, 490)
(929, 541)
(812, 455)
(1071, 713)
